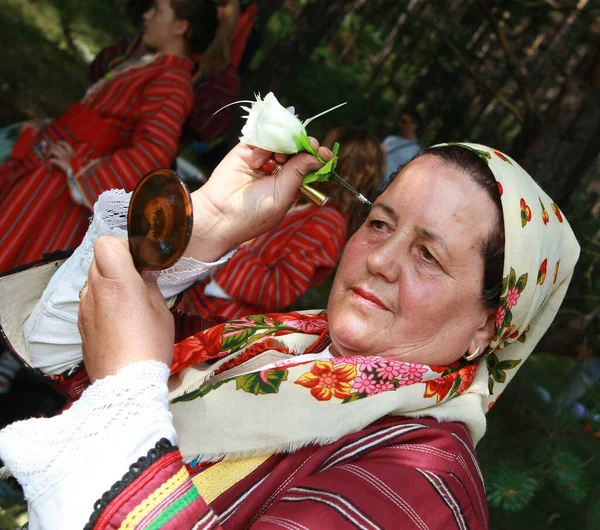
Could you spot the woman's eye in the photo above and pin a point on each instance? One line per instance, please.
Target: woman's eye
(427, 255)
(377, 224)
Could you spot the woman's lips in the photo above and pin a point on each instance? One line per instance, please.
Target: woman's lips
(367, 298)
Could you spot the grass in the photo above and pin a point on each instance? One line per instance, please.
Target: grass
(40, 72)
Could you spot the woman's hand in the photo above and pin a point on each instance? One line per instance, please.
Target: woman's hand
(34, 125)
(60, 155)
(123, 318)
(240, 202)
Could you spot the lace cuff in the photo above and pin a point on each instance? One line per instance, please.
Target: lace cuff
(66, 463)
(51, 331)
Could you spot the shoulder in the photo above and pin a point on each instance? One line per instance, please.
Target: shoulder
(423, 443)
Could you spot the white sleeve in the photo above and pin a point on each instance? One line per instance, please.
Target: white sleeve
(51, 332)
(67, 462)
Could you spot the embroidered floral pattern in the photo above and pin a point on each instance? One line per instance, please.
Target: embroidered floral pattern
(455, 379)
(557, 212)
(542, 272)
(525, 213)
(497, 369)
(512, 288)
(502, 157)
(545, 216)
(500, 188)
(556, 267)
(326, 381)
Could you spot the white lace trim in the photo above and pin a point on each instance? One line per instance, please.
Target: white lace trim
(113, 418)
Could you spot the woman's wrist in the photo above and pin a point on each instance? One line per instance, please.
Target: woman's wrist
(211, 231)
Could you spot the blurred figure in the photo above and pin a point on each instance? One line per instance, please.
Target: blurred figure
(270, 272)
(401, 149)
(215, 78)
(128, 123)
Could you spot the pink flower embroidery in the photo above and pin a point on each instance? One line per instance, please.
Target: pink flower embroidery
(412, 372)
(367, 363)
(307, 325)
(345, 360)
(388, 371)
(500, 316)
(512, 297)
(383, 386)
(364, 383)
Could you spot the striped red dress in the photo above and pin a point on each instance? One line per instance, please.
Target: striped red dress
(126, 126)
(272, 271)
(397, 473)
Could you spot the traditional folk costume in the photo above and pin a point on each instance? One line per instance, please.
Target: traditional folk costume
(128, 124)
(270, 272)
(211, 91)
(274, 432)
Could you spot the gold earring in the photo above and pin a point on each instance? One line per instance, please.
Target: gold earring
(470, 356)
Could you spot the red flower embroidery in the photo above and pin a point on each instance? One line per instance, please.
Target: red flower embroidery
(525, 213)
(305, 323)
(557, 212)
(556, 271)
(545, 216)
(440, 387)
(197, 348)
(500, 188)
(502, 157)
(542, 272)
(326, 381)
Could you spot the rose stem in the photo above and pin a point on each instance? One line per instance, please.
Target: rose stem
(357, 194)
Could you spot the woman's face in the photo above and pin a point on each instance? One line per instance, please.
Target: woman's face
(409, 284)
(160, 25)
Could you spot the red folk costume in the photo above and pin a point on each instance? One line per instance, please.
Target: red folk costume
(211, 91)
(129, 123)
(270, 272)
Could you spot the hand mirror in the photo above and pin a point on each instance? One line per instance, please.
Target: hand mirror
(159, 220)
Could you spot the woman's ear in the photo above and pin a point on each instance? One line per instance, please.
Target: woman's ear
(483, 336)
(181, 27)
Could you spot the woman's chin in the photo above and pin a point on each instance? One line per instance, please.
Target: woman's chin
(348, 340)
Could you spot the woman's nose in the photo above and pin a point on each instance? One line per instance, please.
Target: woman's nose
(386, 260)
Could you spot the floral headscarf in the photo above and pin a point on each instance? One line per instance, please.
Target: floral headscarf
(301, 400)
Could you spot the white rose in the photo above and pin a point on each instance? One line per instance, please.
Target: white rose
(270, 126)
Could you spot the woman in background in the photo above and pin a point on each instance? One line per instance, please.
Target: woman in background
(128, 123)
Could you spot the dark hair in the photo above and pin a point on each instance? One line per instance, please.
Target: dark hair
(467, 161)
(416, 117)
(203, 22)
(361, 162)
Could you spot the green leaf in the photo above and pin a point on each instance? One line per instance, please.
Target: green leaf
(508, 364)
(335, 150)
(512, 278)
(261, 383)
(200, 392)
(354, 397)
(491, 384)
(499, 375)
(492, 361)
(522, 282)
(313, 176)
(231, 342)
(327, 167)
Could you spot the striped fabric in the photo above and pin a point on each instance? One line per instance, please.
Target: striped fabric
(270, 272)
(137, 117)
(211, 91)
(397, 473)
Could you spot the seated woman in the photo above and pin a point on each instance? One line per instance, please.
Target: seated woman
(364, 416)
(128, 123)
(215, 80)
(273, 270)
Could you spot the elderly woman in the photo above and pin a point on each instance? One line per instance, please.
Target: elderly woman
(364, 417)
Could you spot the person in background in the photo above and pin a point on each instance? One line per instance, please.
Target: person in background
(401, 149)
(128, 123)
(272, 271)
(215, 78)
